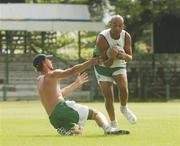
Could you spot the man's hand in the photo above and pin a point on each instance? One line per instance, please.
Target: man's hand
(116, 53)
(96, 60)
(121, 55)
(82, 78)
(76, 130)
(112, 52)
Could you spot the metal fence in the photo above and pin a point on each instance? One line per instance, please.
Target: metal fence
(147, 79)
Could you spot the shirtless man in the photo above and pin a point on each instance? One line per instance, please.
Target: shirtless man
(67, 117)
(113, 68)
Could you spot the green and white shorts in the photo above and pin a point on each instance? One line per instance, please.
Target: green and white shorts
(67, 114)
(106, 74)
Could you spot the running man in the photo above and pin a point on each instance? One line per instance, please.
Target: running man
(67, 117)
(114, 47)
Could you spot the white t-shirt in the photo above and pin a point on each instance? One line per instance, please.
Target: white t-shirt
(119, 43)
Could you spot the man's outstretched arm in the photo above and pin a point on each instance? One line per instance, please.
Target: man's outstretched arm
(75, 69)
(81, 79)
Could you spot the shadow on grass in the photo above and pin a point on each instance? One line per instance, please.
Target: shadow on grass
(103, 136)
(94, 136)
(78, 136)
(37, 136)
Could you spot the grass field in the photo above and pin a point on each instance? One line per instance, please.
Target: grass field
(26, 124)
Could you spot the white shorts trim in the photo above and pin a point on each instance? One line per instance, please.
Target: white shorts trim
(82, 110)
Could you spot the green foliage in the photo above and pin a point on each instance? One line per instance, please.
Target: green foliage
(64, 45)
(139, 14)
(96, 9)
(68, 45)
(87, 53)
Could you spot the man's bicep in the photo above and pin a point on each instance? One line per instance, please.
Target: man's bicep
(128, 45)
(102, 45)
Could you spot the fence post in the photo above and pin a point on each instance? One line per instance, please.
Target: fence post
(167, 91)
(167, 78)
(6, 66)
(6, 75)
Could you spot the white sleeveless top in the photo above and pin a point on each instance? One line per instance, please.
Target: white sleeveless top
(119, 43)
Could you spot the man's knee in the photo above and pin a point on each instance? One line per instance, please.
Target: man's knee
(94, 115)
(109, 101)
(123, 88)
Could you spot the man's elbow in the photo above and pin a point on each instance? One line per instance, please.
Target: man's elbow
(128, 58)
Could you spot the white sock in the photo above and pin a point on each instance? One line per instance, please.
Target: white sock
(113, 122)
(104, 120)
(123, 107)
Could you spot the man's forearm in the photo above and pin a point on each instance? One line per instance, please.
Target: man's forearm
(70, 88)
(127, 57)
(124, 56)
(83, 66)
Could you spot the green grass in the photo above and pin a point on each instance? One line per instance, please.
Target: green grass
(26, 124)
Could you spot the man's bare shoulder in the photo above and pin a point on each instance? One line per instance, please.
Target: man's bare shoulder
(57, 73)
(101, 38)
(102, 43)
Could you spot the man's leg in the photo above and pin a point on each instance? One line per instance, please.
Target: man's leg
(108, 93)
(103, 123)
(122, 83)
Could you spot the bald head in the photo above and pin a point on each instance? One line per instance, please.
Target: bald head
(117, 18)
(117, 25)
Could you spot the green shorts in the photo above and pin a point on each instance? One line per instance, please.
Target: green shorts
(107, 71)
(63, 116)
(67, 114)
(105, 74)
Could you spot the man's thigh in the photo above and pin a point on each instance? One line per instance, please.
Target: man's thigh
(121, 80)
(107, 89)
